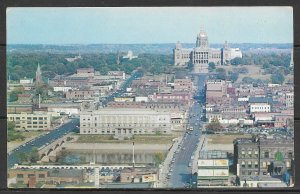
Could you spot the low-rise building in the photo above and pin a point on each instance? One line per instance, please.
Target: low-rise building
(260, 181)
(289, 99)
(283, 120)
(172, 97)
(260, 107)
(27, 121)
(183, 84)
(18, 108)
(138, 175)
(23, 175)
(79, 94)
(213, 168)
(215, 89)
(262, 156)
(24, 98)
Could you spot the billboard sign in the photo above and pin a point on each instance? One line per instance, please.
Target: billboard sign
(205, 162)
(221, 162)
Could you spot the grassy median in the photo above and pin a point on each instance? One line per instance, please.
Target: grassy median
(142, 139)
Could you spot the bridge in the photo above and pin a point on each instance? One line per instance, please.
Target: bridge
(49, 152)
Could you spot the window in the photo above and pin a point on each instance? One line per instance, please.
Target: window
(266, 154)
(256, 153)
(249, 164)
(256, 164)
(30, 175)
(41, 175)
(264, 164)
(290, 155)
(250, 153)
(243, 153)
(249, 172)
(243, 164)
(20, 176)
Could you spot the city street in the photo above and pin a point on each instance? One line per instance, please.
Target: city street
(181, 169)
(69, 126)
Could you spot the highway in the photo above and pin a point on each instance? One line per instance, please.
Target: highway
(181, 172)
(42, 140)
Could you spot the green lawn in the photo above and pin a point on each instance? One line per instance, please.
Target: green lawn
(145, 139)
(225, 139)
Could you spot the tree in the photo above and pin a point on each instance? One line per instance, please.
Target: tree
(236, 61)
(158, 158)
(22, 157)
(211, 66)
(11, 125)
(221, 73)
(266, 65)
(277, 78)
(34, 155)
(214, 125)
(234, 76)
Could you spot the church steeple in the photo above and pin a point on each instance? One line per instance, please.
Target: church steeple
(38, 75)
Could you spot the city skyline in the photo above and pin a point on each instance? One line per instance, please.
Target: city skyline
(133, 26)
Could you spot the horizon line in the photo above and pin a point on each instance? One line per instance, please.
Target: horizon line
(61, 44)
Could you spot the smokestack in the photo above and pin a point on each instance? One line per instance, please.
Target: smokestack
(39, 101)
(133, 162)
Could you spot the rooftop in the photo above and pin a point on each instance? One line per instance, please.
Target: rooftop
(260, 100)
(213, 154)
(65, 173)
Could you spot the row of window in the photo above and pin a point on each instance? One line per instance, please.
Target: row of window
(201, 61)
(33, 126)
(250, 164)
(29, 118)
(30, 175)
(119, 132)
(124, 125)
(259, 108)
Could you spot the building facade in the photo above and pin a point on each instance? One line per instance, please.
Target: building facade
(35, 121)
(262, 156)
(124, 122)
(202, 54)
(213, 168)
(289, 99)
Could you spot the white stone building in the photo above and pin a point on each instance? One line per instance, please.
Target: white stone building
(124, 122)
(35, 121)
(289, 99)
(260, 107)
(202, 54)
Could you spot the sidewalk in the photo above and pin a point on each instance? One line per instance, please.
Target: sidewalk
(165, 167)
(201, 146)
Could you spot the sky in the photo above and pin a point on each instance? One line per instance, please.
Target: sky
(148, 25)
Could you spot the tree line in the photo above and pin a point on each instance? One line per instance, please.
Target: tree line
(20, 65)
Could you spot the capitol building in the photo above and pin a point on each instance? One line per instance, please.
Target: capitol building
(202, 55)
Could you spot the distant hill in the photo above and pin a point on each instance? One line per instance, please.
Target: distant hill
(136, 48)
